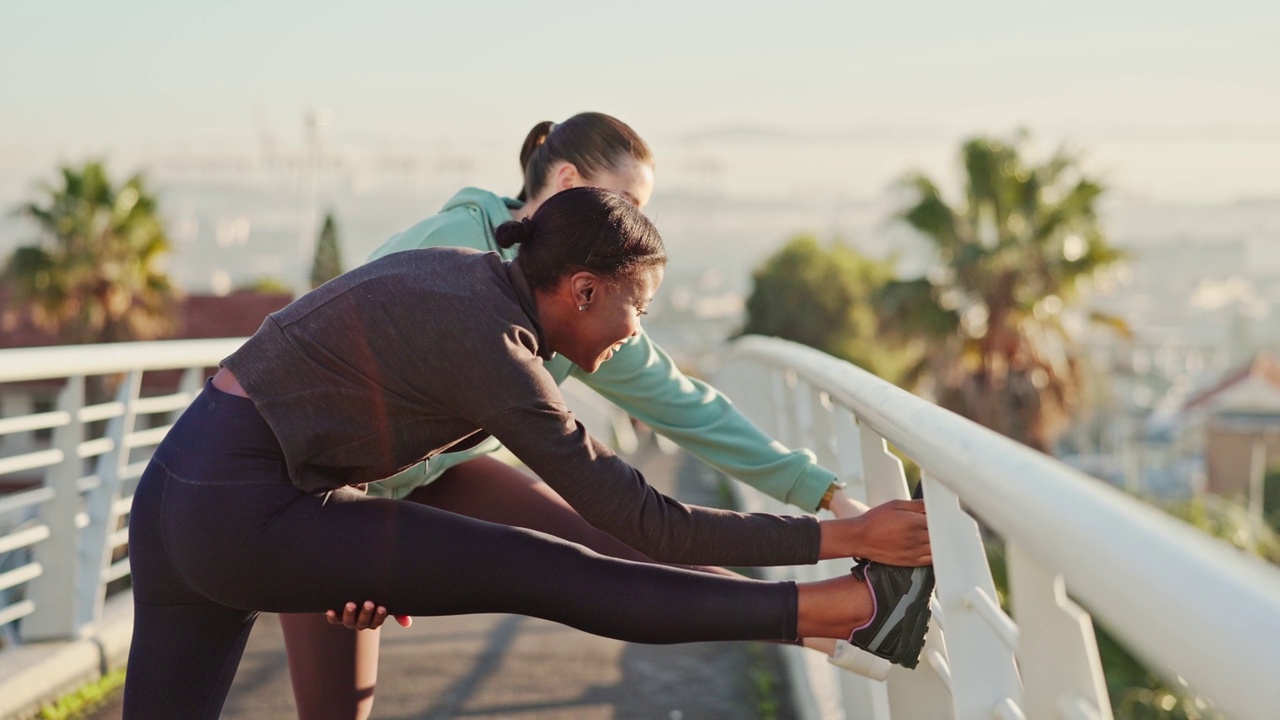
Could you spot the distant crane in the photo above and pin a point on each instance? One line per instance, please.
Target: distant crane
(312, 121)
(267, 139)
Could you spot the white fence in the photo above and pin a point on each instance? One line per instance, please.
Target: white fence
(1189, 606)
(64, 536)
(1186, 604)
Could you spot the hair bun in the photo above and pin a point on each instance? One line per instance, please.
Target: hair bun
(510, 234)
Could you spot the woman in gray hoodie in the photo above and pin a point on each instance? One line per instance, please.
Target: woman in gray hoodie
(254, 501)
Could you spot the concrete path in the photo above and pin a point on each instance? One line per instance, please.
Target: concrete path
(504, 666)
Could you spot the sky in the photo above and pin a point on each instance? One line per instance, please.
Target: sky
(1171, 100)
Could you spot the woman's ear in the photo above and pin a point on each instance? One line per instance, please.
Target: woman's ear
(583, 285)
(566, 176)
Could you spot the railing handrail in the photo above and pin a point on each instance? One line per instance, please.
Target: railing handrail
(1180, 599)
(66, 566)
(60, 361)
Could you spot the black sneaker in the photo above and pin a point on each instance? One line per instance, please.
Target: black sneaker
(901, 601)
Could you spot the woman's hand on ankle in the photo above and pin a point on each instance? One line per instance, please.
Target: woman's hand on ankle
(367, 617)
(895, 533)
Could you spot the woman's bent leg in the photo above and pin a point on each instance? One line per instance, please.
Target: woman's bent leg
(185, 648)
(493, 491)
(333, 670)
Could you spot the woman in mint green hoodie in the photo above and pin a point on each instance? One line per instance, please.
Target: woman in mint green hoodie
(334, 669)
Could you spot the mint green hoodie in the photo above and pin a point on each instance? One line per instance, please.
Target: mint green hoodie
(640, 378)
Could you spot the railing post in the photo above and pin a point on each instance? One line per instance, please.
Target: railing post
(95, 550)
(781, 420)
(923, 692)
(983, 676)
(881, 470)
(848, 451)
(1057, 650)
(837, 447)
(56, 616)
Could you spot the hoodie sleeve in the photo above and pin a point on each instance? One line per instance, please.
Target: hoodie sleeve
(614, 497)
(644, 381)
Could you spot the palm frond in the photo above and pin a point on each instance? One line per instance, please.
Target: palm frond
(931, 215)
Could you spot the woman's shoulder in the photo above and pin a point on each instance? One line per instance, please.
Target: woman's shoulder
(477, 200)
(443, 260)
(466, 220)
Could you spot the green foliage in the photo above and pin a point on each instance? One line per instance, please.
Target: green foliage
(1009, 260)
(764, 683)
(93, 274)
(82, 701)
(327, 263)
(1138, 694)
(1230, 521)
(265, 286)
(822, 297)
(1271, 497)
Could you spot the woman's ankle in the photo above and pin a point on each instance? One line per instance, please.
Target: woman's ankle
(833, 608)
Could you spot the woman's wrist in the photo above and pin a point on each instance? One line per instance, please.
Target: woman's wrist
(835, 487)
(840, 538)
(844, 506)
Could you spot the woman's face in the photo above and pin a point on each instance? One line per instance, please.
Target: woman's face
(633, 179)
(610, 316)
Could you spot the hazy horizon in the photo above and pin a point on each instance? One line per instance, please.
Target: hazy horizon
(765, 122)
(1168, 100)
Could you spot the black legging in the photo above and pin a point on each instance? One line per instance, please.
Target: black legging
(218, 533)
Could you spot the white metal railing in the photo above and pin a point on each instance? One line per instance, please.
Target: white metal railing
(1188, 605)
(1185, 603)
(62, 537)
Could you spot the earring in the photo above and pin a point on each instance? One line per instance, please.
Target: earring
(582, 308)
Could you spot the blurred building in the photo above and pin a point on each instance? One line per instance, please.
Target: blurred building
(1239, 419)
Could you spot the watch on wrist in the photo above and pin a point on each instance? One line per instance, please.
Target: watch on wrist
(825, 502)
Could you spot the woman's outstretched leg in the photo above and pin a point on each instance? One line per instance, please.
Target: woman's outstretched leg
(277, 549)
(274, 549)
(334, 670)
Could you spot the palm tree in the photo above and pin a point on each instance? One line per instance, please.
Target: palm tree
(93, 274)
(987, 320)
